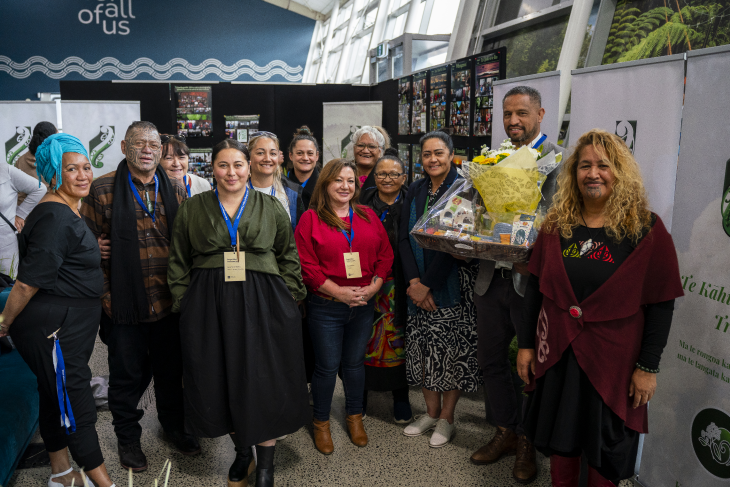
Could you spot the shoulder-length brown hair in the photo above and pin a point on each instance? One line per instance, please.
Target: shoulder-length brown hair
(320, 201)
(626, 213)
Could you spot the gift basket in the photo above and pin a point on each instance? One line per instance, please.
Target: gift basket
(493, 211)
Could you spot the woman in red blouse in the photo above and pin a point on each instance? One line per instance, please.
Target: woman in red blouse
(345, 256)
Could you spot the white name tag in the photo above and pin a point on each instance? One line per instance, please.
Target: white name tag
(352, 265)
(234, 269)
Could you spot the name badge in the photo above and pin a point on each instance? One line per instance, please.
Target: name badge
(234, 269)
(352, 265)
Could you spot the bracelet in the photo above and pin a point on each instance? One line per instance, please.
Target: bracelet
(647, 369)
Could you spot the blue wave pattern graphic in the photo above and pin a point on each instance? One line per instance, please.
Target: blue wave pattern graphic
(112, 65)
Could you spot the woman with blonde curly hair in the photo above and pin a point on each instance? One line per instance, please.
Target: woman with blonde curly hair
(598, 309)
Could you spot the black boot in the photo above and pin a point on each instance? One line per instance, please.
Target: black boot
(265, 466)
(242, 466)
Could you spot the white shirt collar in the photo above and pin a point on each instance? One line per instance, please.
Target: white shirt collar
(534, 140)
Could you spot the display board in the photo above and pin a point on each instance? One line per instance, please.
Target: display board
(644, 107)
(418, 124)
(689, 417)
(404, 105)
(461, 155)
(17, 119)
(417, 162)
(460, 97)
(194, 108)
(404, 154)
(341, 120)
(438, 87)
(201, 163)
(548, 84)
(487, 71)
(239, 127)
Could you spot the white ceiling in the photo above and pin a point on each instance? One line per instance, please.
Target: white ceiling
(321, 6)
(314, 9)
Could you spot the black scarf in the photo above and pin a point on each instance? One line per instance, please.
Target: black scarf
(129, 298)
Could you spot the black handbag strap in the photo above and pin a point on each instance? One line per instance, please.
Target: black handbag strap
(15, 230)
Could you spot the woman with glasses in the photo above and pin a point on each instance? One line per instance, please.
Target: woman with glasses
(368, 142)
(441, 335)
(385, 357)
(304, 154)
(345, 257)
(239, 325)
(175, 160)
(266, 177)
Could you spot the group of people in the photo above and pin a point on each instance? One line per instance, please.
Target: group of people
(270, 285)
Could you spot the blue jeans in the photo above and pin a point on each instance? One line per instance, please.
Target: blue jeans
(339, 336)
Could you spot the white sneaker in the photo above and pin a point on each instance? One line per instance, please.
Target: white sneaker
(442, 434)
(420, 426)
(51, 483)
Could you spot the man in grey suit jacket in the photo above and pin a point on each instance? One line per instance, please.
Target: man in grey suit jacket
(498, 296)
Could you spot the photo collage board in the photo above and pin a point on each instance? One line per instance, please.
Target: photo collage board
(404, 154)
(417, 162)
(201, 163)
(418, 125)
(404, 106)
(461, 154)
(438, 87)
(194, 112)
(487, 69)
(461, 90)
(240, 127)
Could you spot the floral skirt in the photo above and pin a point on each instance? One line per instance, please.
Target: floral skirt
(441, 346)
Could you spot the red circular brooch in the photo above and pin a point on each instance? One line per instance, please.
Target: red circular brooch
(575, 312)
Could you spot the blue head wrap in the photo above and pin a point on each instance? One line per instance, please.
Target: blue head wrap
(49, 156)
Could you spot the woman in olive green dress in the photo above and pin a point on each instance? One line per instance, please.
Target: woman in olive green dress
(241, 339)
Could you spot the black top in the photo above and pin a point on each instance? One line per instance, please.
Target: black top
(59, 254)
(366, 186)
(590, 258)
(309, 188)
(438, 264)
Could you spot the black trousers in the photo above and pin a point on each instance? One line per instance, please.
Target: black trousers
(137, 353)
(499, 312)
(78, 320)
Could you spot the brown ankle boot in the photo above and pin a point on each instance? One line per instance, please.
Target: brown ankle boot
(503, 443)
(357, 430)
(525, 470)
(322, 437)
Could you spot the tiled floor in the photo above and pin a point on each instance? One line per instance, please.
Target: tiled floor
(390, 459)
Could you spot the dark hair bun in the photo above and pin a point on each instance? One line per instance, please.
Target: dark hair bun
(390, 151)
(303, 130)
(40, 133)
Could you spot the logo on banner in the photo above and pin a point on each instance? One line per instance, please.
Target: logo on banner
(711, 441)
(725, 204)
(346, 144)
(17, 144)
(99, 144)
(626, 129)
(109, 12)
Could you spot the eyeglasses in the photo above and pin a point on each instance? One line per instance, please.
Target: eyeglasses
(141, 144)
(165, 137)
(371, 148)
(385, 175)
(263, 133)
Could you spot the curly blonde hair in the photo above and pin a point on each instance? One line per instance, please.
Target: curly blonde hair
(626, 213)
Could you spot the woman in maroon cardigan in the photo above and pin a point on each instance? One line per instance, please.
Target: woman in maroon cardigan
(598, 309)
(345, 256)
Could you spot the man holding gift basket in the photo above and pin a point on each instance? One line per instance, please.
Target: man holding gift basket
(499, 290)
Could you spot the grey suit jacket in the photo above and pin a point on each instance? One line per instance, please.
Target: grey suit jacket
(486, 267)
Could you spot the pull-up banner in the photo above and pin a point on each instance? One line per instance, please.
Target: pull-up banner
(17, 119)
(548, 84)
(641, 102)
(341, 121)
(689, 417)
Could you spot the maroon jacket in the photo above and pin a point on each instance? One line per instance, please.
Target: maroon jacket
(606, 329)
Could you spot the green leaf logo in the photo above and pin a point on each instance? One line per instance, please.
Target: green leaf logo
(711, 441)
(100, 143)
(17, 144)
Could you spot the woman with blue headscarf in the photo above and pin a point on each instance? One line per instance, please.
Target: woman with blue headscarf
(53, 311)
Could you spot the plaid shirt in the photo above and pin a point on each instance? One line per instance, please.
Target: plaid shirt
(154, 239)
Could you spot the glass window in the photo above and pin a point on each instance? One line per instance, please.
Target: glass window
(339, 37)
(397, 57)
(442, 18)
(323, 31)
(650, 28)
(400, 25)
(396, 4)
(514, 9)
(418, 14)
(534, 49)
(428, 53)
(370, 18)
(590, 30)
(332, 61)
(382, 70)
(344, 15)
(357, 58)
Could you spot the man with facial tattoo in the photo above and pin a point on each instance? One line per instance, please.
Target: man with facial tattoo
(135, 206)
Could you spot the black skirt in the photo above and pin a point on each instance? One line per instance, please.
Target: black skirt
(242, 357)
(566, 416)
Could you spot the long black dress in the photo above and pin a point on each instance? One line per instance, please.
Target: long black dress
(242, 342)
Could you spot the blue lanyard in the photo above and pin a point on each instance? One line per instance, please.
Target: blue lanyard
(385, 213)
(233, 228)
(304, 184)
(273, 190)
(186, 180)
(540, 141)
(139, 198)
(67, 415)
(351, 237)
